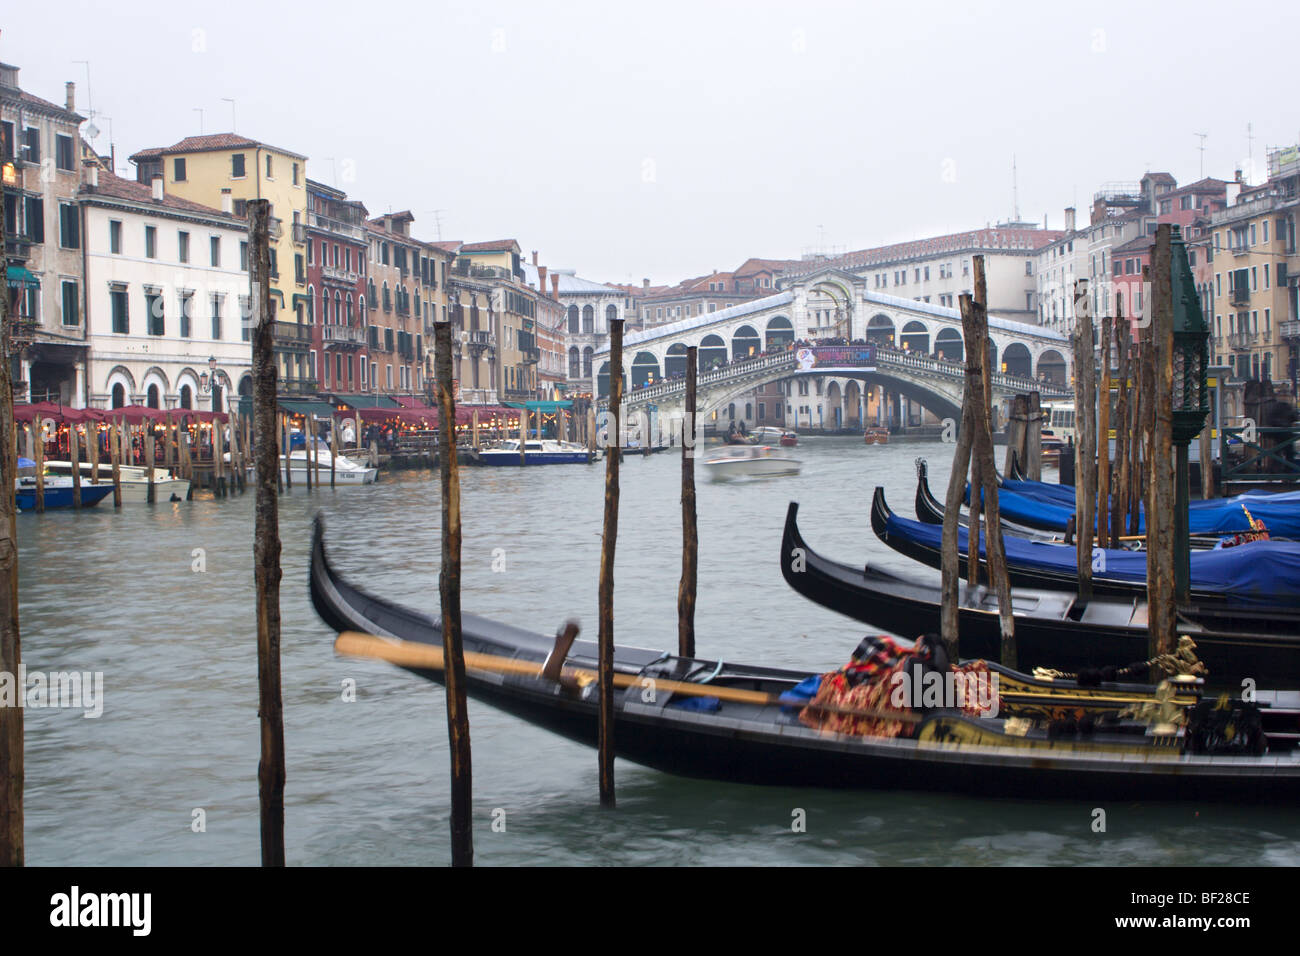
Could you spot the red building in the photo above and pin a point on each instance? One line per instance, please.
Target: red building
(336, 289)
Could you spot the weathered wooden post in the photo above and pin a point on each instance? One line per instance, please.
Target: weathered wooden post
(12, 773)
(1085, 439)
(1016, 435)
(1161, 617)
(462, 791)
(474, 430)
(1103, 435)
(1123, 432)
(266, 540)
(146, 435)
(613, 451)
(92, 451)
(690, 528)
(115, 459)
(38, 431)
(1034, 438)
(334, 449)
(74, 459)
(523, 434)
(1207, 462)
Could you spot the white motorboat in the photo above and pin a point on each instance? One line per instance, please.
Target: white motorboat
(346, 471)
(749, 461)
(134, 480)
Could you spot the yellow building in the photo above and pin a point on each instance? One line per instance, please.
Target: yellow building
(515, 307)
(225, 170)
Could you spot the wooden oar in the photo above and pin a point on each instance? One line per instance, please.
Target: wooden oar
(429, 656)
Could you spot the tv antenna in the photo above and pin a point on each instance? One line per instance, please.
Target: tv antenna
(231, 101)
(90, 103)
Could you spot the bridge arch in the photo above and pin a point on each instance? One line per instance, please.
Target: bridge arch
(915, 337)
(834, 398)
(880, 329)
(675, 360)
(779, 333)
(1017, 360)
(852, 404)
(948, 343)
(745, 342)
(712, 351)
(645, 369)
(1051, 367)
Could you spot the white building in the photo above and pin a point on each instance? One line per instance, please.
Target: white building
(166, 292)
(589, 308)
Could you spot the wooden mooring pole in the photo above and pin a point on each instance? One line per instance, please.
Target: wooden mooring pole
(1103, 435)
(613, 451)
(1085, 439)
(1161, 616)
(1123, 431)
(115, 459)
(266, 539)
(11, 718)
(74, 459)
(690, 527)
(38, 446)
(462, 790)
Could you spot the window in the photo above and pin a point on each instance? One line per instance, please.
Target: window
(1252, 233)
(214, 250)
(121, 316)
(64, 157)
(154, 311)
(237, 166)
(150, 242)
(246, 317)
(69, 226)
(187, 312)
(115, 237)
(295, 174)
(178, 169)
(268, 165)
(31, 150)
(216, 317)
(71, 311)
(183, 246)
(1266, 232)
(243, 256)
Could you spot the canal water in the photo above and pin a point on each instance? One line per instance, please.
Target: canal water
(160, 599)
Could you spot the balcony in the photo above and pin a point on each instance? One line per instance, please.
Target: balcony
(531, 355)
(298, 386)
(1242, 340)
(339, 274)
(291, 335)
(299, 233)
(337, 226)
(1239, 296)
(343, 335)
(1289, 330)
(480, 339)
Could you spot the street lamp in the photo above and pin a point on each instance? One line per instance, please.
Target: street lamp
(1191, 398)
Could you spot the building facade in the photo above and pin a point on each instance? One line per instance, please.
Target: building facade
(165, 290)
(42, 156)
(337, 251)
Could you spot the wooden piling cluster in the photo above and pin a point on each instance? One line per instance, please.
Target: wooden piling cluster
(462, 835)
(266, 540)
(974, 453)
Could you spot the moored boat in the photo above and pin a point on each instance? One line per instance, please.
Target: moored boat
(544, 452)
(57, 493)
(722, 721)
(346, 471)
(1258, 573)
(134, 480)
(1053, 627)
(876, 436)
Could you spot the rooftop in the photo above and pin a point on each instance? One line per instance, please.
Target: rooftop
(211, 142)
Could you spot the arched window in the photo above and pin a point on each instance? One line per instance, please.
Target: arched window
(152, 397)
(187, 397)
(588, 319)
(573, 319)
(575, 362)
(611, 315)
(311, 305)
(349, 308)
(119, 395)
(586, 361)
(338, 308)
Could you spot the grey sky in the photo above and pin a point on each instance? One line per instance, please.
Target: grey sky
(666, 140)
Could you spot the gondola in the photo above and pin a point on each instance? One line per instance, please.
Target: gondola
(1053, 628)
(767, 744)
(1257, 574)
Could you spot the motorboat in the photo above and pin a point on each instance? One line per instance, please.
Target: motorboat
(749, 461)
(134, 480)
(346, 471)
(58, 493)
(876, 436)
(545, 451)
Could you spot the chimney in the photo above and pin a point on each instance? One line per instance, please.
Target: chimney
(227, 202)
(534, 257)
(1069, 219)
(1237, 176)
(541, 280)
(645, 283)
(555, 286)
(70, 92)
(92, 176)
(157, 187)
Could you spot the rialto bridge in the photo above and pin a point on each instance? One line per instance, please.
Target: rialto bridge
(859, 347)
